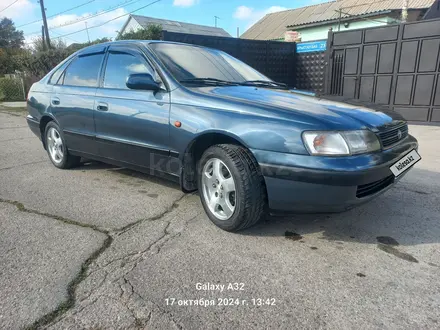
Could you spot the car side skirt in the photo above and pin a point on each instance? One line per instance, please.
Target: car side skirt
(142, 169)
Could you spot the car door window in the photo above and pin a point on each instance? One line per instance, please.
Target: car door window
(84, 71)
(120, 66)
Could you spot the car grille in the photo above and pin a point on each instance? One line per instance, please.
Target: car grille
(373, 187)
(390, 135)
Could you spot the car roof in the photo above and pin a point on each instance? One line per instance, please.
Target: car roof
(101, 47)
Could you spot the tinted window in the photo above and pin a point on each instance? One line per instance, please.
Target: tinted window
(187, 62)
(84, 71)
(56, 75)
(120, 66)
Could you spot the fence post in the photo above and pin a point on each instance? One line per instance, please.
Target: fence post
(22, 88)
(328, 66)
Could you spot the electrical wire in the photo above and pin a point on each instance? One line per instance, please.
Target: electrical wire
(101, 24)
(9, 6)
(62, 12)
(120, 5)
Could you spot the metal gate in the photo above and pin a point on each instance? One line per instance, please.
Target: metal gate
(394, 65)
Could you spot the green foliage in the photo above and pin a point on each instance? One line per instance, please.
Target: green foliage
(39, 46)
(78, 46)
(11, 90)
(9, 36)
(152, 32)
(40, 63)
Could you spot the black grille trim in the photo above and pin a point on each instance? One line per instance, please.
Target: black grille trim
(373, 187)
(389, 137)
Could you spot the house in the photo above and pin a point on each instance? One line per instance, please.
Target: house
(136, 22)
(313, 22)
(434, 11)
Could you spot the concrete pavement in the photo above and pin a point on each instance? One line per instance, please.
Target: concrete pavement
(102, 247)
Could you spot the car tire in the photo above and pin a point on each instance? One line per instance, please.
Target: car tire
(231, 205)
(57, 149)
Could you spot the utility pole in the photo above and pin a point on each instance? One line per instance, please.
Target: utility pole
(216, 18)
(46, 30)
(339, 19)
(88, 37)
(43, 39)
(238, 32)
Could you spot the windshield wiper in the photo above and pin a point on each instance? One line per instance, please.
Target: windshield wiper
(212, 81)
(265, 83)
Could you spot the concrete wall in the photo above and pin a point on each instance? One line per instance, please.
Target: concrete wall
(321, 32)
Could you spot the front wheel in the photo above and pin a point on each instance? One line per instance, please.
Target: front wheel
(231, 187)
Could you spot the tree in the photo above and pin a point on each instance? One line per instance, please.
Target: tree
(77, 46)
(10, 37)
(38, 45)
(152, 32)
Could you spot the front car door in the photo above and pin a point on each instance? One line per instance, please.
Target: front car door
(73, 100)
(132, 126)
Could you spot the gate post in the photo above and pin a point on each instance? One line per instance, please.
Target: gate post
(328, 62)
(396, 66)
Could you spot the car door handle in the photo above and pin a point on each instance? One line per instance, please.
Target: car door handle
(55, 101)
(102, 106)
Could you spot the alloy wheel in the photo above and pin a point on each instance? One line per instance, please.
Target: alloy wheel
(55, 145)
(218, 189)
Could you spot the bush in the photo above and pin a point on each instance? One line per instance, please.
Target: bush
(152, 32)
(41, 63)
(11, 90)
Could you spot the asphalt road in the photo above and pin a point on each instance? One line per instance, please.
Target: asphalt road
(100, 247)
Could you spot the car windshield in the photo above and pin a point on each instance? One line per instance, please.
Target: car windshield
(189, 63)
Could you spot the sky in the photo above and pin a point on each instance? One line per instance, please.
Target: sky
(97, 13)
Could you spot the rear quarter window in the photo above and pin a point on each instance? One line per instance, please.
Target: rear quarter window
(57, 74)
(84, 71)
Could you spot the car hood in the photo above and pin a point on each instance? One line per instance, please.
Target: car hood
(295, 106)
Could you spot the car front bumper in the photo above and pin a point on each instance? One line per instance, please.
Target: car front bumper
(304, 183)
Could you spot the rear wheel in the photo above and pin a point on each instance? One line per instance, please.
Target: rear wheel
(231, 187)
(57, 149)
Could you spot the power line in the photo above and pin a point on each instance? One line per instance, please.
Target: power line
(62, 12)
(120, 5)
(59, 34)
(8, 6)
(99, 25)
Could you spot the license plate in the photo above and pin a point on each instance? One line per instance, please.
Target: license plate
(405, 163)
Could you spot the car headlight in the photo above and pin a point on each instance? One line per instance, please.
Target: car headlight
(340, 143)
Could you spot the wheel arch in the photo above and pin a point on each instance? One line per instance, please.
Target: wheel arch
(45, 119)
(195, 149)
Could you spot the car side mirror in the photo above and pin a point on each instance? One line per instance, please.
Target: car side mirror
(142, 81)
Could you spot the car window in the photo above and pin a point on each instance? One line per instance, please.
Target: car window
(189, 62)
(84, 71)
(56, 75)
(120, 66)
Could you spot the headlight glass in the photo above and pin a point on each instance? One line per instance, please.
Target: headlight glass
(340, 143)
(361, 141)
(325, 143)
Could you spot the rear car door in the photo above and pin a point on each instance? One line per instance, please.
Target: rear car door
(132, 126)
(73, 100)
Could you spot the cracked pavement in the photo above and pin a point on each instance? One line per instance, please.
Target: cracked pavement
(100, 247)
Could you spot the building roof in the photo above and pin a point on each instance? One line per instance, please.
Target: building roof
(273, 26)
(181, 27)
